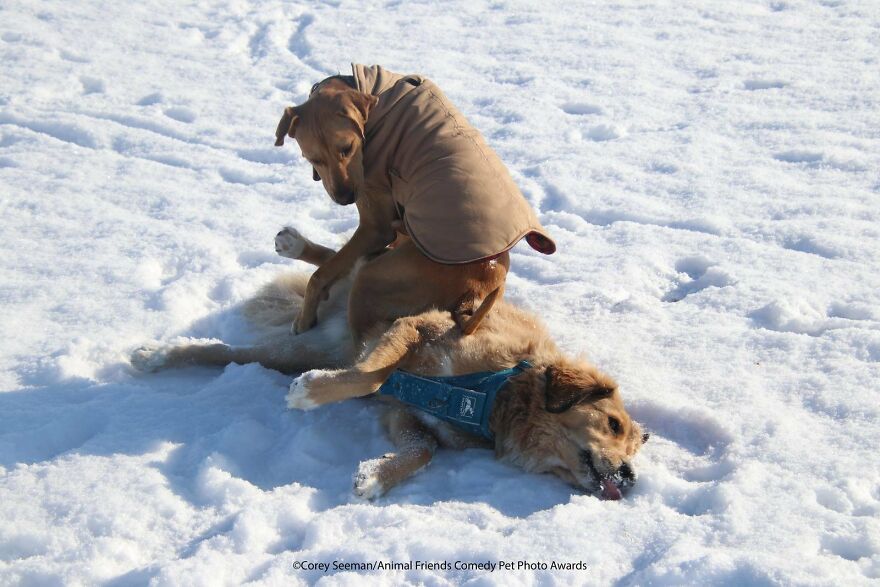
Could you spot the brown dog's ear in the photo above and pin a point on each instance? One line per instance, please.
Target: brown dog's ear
(566, 388)
(362, 105)
(286, 126)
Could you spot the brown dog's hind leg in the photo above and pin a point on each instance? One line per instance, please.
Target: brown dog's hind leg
(415, 449)
(404, 282)
(468, 319)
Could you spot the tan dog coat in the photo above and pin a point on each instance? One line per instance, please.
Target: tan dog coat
(457, 199)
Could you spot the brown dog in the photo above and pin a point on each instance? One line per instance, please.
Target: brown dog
(399, 150)
(562, 416)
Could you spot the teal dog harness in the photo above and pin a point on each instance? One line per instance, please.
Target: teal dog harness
(463, 400)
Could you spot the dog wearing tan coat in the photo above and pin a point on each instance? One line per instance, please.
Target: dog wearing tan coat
(398, 149)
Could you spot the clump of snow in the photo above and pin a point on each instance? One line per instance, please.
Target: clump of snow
(708, 172)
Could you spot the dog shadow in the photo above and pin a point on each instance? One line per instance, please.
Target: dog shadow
(193, 420)
(189, 422)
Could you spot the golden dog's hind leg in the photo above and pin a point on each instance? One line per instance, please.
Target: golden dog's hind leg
(317, 387)
(151, 358)
(415, 449)
(286, 358)
(285, 355)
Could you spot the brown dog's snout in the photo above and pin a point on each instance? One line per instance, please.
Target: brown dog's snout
(344, 196)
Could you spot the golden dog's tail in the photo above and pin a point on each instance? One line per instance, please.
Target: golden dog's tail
(278, 302)
(470, 325)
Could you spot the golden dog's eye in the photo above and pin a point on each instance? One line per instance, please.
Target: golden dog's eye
(346, 151)
(614, 424)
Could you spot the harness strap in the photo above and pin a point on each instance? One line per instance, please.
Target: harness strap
(463, 400)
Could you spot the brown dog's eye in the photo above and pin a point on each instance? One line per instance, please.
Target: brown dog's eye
(346, 151)
(614, 424)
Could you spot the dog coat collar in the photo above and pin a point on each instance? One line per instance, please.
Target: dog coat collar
(348, 79)
(463, 400)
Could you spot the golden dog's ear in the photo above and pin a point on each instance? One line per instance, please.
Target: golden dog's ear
(361, 104)
(565, 388)
(287, 125)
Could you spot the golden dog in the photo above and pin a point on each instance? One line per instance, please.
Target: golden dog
(562, 416)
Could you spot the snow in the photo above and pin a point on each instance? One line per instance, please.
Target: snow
(708, 169)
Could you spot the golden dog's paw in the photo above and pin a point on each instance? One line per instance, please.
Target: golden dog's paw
(289, 243)
(149, 358)
(299, 396)
(367, 481)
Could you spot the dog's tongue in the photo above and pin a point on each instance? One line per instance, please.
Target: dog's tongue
(610, 490)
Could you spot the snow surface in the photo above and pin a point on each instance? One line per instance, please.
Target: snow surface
(710, 173)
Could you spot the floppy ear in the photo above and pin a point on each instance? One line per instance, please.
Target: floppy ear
(565, 388)
(362, 104)
(286, 126)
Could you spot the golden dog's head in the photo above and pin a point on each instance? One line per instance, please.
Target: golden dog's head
(329, 129)
(569, 420)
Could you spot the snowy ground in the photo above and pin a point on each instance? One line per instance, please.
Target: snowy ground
(709, 170)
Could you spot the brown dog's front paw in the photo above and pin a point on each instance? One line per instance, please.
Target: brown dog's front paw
(304, 323)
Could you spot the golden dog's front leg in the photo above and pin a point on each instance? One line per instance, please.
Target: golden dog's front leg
(415, 449)
(318, 387)
(291, 244)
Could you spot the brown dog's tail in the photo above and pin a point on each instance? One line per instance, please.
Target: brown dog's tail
(469, 324)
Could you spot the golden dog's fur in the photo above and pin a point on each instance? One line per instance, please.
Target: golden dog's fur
(563, 416)
(329, 129)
